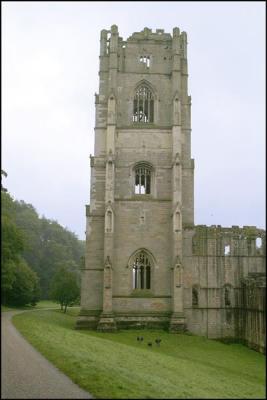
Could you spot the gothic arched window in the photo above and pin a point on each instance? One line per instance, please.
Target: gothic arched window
(141, 269)
(143, 106)
(142, 183)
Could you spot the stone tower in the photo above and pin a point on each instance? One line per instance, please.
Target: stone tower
(142, 179)
(147, 264)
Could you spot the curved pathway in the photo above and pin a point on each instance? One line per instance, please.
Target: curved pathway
(26, 374)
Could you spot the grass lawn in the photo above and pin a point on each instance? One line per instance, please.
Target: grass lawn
(115, 365)
(41, 304)
(47, 304)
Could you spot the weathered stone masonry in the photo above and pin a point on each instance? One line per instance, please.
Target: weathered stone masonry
(146, 262)
(219, 264)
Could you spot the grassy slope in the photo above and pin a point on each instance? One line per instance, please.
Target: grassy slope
(117, 366)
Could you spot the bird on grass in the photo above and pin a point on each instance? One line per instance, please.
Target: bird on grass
(158, 341)
(140, 338)
(149, 344)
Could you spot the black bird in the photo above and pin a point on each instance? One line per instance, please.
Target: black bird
(149, 344)
(158, 341)
(141, 338)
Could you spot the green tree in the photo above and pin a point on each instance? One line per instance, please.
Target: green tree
(64, 287)
(5, 175)
(42, 243)
(25, 288)
(48, 244)
(12, 245)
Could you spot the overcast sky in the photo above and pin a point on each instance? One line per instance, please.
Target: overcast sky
(50, 66)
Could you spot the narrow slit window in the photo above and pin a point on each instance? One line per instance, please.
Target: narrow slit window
(177, 221)
(258, 243)
(194, 297)
(227, 297)
(227, 250)
(109, 221)
(142, 280)
(108, 43)
(143, 105)
(135, 282)
(148, 277)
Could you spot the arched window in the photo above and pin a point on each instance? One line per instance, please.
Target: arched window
(194, 297)
(141, 268)
(143, 107)
(142, 179)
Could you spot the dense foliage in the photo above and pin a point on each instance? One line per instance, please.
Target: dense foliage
(25, 288)
(32, 250)
(19, 284)
(48, 244)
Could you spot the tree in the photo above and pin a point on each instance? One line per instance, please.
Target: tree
(5, 175)
(48, 244)
(12, 246)
(19, 284)
(42, 243)
(25, 288)
(64, 287)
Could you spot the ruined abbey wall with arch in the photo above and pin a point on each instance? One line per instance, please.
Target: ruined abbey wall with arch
(147, 264)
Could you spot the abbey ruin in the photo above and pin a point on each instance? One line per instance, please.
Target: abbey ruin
(147, 264)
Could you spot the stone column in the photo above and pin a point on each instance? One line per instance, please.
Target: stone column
(107, 321)
(103, 65)
(177, 322)
(113, 58)
(177, 317)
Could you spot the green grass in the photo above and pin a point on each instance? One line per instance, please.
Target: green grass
(41, 304)
(13, 308)
(115, 365)
(47, 304)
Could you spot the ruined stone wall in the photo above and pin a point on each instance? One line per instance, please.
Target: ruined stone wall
(216, 261)
(252, 321)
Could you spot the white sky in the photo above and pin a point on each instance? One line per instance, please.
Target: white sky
(50, 65)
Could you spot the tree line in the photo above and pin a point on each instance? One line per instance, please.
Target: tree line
(39, 259)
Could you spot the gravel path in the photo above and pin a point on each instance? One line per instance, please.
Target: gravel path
(26, 374)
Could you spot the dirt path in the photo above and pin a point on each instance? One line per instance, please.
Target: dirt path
(26, 374)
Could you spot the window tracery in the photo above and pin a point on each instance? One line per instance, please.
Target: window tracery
(141, 269)
(143, 106)
(142, 179)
